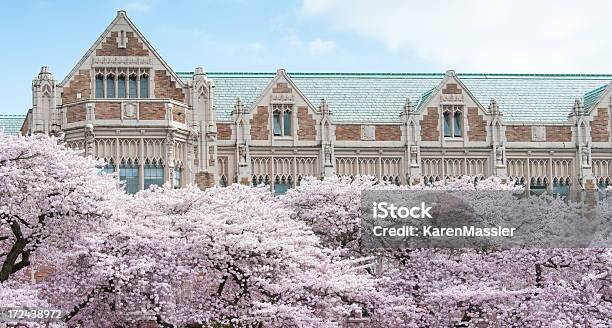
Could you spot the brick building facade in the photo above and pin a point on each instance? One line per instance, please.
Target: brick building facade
(122, 103)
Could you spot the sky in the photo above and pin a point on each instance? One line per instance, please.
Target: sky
(520, 36)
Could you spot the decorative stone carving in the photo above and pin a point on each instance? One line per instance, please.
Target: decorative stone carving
(578, 109)
(448, 98)
(89, 140)
(586, 154)
(368, 132)
(414, 153)
(129, 110)
(123, 61)
(242, 156)
(499, 155)
(328, 155)
(538, 133)
(282, 98)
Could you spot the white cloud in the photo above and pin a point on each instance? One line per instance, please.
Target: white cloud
(315, 47)
(483, 35)
(320, 47)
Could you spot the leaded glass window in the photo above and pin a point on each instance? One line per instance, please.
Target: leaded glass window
(153, 173)
(121, 86)
(128, 172)
(144, 86)
(99, 86)
(133, 87)
(110, 86)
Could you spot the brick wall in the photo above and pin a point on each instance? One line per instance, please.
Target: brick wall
(166, 88)
(79, 83)
(259, 124)
(152, 111)
(518, 133)
(429, 125)
(306, 125)
(108, 111)
(599, 126)
(559, 133)
(204, 180)
(178, 114)
(281, 88)
(224, 131)
(110, 46)
(348, 132)
(388, 133)
(75, 113)
(451, 88)
(478, 126)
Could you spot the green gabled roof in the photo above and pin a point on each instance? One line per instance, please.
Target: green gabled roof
(590, 98)
(380, 97)
(11, 124)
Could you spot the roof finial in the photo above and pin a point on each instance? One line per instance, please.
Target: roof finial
(450, 72)
(121, 13)
(239, 106)
(408, 106)
(324, 107)
(578, 107)
(493, 107)
(199, 70)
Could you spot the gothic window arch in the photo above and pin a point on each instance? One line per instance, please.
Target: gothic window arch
(144, 85)
(129, 173)
(133, 86)
(452, 121)
(121, 86)
(109, 167)
(99, 85)
(153, 173)
(110, 85)
(282, 184)
(282, 120)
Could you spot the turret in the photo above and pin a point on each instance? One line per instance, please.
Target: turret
(45, 118)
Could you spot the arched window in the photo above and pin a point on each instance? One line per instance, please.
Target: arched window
(109, 168)
(281, 185)
(276, 119)
(447, 124)
(99, 86)
(128, 172)
(287, 122)
(457, 127)
(121, 86)
(153, 173)
(222, 181)
(133, 86)
(452, 121)
(144, 86)
(281, 120)
(110, 86)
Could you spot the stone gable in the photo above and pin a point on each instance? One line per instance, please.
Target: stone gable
(110, 46)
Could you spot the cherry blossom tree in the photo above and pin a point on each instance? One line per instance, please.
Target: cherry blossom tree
(464, 287)
(229, 256)
(47, 194)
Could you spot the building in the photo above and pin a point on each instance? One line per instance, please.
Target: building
(123, 103)
(10, 125)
